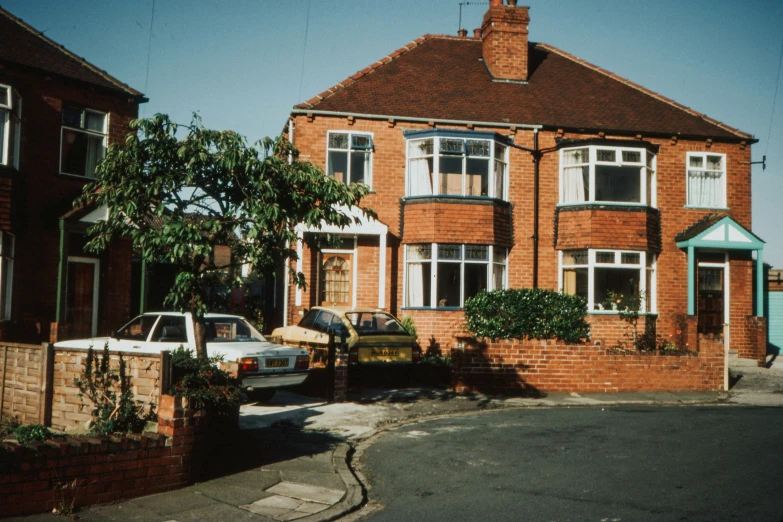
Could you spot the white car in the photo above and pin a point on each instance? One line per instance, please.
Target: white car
(263, 366)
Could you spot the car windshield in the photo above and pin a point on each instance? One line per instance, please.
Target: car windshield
(138, 329)
(375, 323)
(230, 329)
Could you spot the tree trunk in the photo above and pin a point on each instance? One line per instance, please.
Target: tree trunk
(200, 333)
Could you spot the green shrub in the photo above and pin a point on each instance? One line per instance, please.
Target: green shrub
(109, 390)
(202, 381)
(410, 326)
(8, 426)
(535, 313)
(32, 433)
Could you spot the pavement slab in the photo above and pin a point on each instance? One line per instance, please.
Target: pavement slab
(308, 492)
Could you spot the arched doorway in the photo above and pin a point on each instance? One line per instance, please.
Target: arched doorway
(336, 280)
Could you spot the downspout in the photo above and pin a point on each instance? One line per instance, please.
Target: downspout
(287, 263)
(536, 162)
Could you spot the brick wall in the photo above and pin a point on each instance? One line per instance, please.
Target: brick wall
(630, 228)
(57, 473)
(476, 222)
(515, 367)
(21, 382)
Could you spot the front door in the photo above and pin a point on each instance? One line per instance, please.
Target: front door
(711, 307)
(336, 280)
(81, 297)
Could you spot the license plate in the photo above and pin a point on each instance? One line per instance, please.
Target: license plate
(385, 352)
(277, 363)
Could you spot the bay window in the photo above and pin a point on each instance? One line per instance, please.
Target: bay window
(597, 275)
(10, 126)
(349, 157)
(82, 141)
(607, 174)
(456, 163)
(706, 180)
(445, 275)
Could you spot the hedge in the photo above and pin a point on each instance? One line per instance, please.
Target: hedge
(535, 313)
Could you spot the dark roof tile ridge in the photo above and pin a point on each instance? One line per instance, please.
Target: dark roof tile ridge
(61, 48)
(645, 90)
(309, 104)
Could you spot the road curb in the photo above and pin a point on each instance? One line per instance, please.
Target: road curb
(354, 491)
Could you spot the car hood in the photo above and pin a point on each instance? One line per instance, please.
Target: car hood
(234, 350)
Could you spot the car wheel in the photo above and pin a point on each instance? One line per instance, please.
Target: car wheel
(261, 395)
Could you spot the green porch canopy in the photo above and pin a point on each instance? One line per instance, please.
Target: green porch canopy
(720, 232)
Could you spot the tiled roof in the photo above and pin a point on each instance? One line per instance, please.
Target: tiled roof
(22, 44)
(699, 226)
(444, 78)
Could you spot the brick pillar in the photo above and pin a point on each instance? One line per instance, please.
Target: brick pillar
(58, 332)
(759, 338)
(185, 428)
(341, 376)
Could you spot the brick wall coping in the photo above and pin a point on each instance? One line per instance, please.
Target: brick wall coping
(575, 207)
(446, 198)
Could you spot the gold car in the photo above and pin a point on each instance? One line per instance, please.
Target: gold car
(371, 335)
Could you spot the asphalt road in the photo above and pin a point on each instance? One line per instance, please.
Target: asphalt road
(608, 465)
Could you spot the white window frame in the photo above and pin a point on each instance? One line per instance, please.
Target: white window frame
(351, 134)
(436, 155)
(6, 292)
(434, 260)
(647, 168)
(104, 135)
(11, 133)
(646, 265)
(724, 175)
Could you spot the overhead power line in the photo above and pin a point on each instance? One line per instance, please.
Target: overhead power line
(774, 99)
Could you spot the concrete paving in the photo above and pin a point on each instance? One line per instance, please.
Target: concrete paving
(292, 461)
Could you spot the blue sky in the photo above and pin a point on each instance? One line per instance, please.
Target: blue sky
(240, 63)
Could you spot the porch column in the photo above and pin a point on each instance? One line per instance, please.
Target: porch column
(759, 283)
(691, 280)
(382, 272)
(62, 274)
(144, 288)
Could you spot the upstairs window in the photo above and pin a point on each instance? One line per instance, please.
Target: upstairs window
(457, 166)
(706, 180)
(10, 126)
(83, 141)
(598, 174)
(349, 157)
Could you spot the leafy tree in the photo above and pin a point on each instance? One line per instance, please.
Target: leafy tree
(176, 199)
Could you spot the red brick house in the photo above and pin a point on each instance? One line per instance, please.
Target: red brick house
(495, 162)
(58, 114)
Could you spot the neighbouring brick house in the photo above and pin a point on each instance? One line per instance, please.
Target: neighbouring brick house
(495, 162)
(58, 113)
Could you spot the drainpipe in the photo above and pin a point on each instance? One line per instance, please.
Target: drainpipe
(536, 162)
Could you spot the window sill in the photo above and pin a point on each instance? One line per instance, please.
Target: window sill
(705, 208)
(600, 204)
(74, 176)
(617, 312)
(455, 198)
(430, 309)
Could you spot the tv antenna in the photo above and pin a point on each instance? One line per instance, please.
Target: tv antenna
(459, 24)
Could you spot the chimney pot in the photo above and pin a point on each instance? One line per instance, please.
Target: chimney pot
(462, 33)
(512, 3)
(477, 33)
(495, 2)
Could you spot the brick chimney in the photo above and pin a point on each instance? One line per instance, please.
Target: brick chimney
(504, 40)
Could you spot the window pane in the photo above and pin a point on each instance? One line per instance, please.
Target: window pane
(309, 319)
(714, 162)
(576, 184)
(604, 257)
(419, 148)
(361, 141)
(94, 121)
(575, 281)
(606, 155)
(631, 156)
(622, 281)
(338, 141)
(451, 175)
(478, 148)
(575, 257)
(7, 273)
(627, 258)
(696, 162)
(3, 119)
(74, 152)
(139, 328)
(650, 186)
(500, 152)
(95, 153)
(477, 177)
(622, 184)
(4, 97)
(419, 284)
(575, 157)
(360, 167)
(498, 276)
(448, 284)
(72, 117)
(450, 146)
(499, 255)
(418, 252)
(171, 329)
(476, 253)
(449, 251)
(475, 279)
(338, 165)
(500, 179)
(705, 189)
(420, 173)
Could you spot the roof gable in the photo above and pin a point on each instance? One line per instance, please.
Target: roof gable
(23, 45)
(444, 78)
(719, 231)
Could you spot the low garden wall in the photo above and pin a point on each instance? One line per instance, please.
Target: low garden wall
(67, 473)
(524, 366)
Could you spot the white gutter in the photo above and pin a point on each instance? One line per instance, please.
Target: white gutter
(421, 120)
